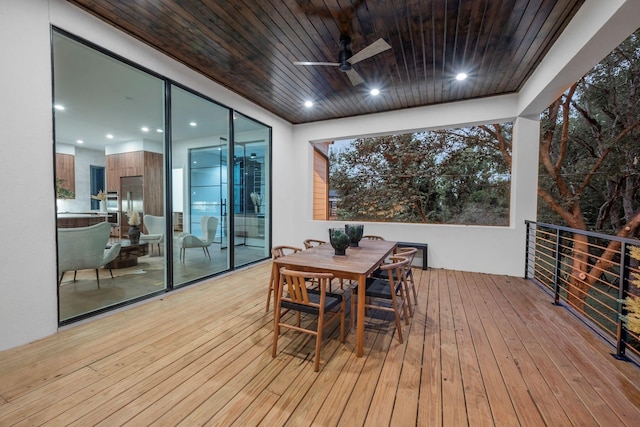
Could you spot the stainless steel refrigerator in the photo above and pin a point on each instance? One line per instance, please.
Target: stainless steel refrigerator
(130, 199)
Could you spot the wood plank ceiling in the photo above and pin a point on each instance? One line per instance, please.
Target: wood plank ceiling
(249, 46)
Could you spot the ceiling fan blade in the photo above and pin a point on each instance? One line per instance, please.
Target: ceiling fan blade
(373, 49)
(354, 77)
(331, 64)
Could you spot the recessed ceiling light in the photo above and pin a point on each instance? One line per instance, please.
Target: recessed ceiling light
(461, 76)
(59, 107)
(193, 124)
(79, 141)
(109, 136)
(144, 129)
(308, 104)
(375, 92)
(159, 130)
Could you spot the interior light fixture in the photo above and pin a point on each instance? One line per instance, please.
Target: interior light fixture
(159, 130)
(79, 141)
(109, 136)
(375, 91)
(144, 129)
(461, 76)
(193, 124)
(59, 107)
(308, 104)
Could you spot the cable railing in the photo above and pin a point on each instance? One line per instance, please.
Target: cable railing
(591, 273)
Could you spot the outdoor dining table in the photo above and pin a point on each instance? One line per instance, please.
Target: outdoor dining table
(358, 263)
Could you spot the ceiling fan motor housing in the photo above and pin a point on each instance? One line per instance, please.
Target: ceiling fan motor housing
(345, 54)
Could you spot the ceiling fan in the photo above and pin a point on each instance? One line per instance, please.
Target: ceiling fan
(347, 58)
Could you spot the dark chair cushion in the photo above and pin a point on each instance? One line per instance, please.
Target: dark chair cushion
(330, 302)
(378, 288)
(384, 274)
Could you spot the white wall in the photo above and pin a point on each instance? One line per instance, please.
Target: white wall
(28, 304)
(28, 295)
(497, 250)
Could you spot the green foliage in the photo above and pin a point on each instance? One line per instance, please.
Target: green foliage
(596, 153)
(62, 192)
(451, 176)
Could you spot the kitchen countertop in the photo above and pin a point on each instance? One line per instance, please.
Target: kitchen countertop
(82, 214)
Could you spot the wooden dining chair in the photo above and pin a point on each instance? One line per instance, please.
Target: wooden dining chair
(294, 295)
(407, 276)
(372, 237)
(379, 292)
(310, 243)
(278, 252)
(409, 252)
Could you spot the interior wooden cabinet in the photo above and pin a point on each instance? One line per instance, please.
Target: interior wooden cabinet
(66, 171)
(146, 164)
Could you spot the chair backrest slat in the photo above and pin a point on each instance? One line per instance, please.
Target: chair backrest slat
(296, 283)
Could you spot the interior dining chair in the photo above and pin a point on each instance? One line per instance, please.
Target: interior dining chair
(379, 292)
(294, 295)
(209, 225)
(372, 237)
(407, 276)
(155, 231)
(310, 243)
(277, 252)
(83, 248)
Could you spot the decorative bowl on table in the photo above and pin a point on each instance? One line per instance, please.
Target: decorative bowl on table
(354, 231)
(339, 240)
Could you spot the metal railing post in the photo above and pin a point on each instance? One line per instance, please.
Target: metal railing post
(526, 251)
(556, 272)
(623, 288)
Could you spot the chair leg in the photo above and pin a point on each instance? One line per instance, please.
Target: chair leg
(98, 278)
(413, 287)
(343, 306)
(316, 363)
(206, 251)
(271, 287)
(405, 285)
(397, 317)
(276, 326)
(61, 276)
(111, 272)
(352, 315)
(74, 275)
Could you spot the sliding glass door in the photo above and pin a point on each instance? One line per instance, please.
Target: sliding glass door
(109, 122)
(199, 152)
(116, 151)
(251, 190)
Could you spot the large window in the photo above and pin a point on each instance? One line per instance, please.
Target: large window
(118, 146)
(454, 176)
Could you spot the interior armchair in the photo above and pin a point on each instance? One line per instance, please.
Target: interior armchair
(84, 248)
(209, 225)
(155, 230)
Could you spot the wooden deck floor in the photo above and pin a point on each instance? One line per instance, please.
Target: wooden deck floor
(480, 350)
